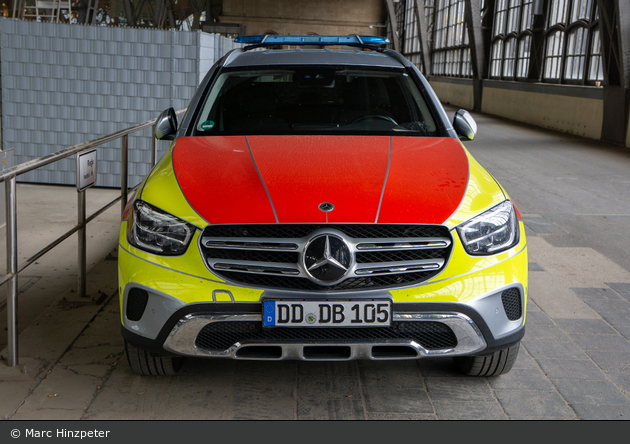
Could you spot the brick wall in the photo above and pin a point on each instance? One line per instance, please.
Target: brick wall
(323, 17)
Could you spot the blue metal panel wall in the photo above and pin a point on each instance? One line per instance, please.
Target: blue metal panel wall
(65, 84)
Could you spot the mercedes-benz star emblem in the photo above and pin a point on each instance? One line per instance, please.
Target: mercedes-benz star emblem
(327, 259)
(326, 207)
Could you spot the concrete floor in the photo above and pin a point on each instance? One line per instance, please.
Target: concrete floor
(44, 214)
(574, 362)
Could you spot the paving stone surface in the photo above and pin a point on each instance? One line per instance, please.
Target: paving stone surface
(573, 364)
(569, 369)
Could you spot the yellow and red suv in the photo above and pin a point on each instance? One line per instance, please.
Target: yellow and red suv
(317, 204)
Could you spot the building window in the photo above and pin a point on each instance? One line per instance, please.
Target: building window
(527, 17)
(411, 40)
(451, 50)
(553, 55)
(572, 43)
(576, 54)
(512, 16)
(524, 51)
(582, 10)
(596, 71)
(571, 40)
(496, 57)
(511, 39)
(557, 12)
(509, 58)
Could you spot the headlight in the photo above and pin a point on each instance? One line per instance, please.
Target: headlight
(491, 232)
(156, 231)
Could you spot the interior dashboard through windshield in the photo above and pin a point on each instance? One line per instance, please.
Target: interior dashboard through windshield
(315, 99)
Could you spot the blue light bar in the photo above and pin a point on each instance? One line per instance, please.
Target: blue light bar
(312, 40)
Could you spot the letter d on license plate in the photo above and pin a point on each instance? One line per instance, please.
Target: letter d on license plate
(327, 313)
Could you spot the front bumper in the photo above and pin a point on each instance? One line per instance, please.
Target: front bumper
(460, 331)
(183, 298)
(184, 339)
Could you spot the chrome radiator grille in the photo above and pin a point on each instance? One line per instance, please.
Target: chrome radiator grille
(271, 256)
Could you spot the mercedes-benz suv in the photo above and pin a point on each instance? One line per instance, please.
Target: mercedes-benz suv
(316, 203)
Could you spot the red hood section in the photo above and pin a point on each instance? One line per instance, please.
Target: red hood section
(303, 172)
(220, 181)
(245, 180)
(427, 180)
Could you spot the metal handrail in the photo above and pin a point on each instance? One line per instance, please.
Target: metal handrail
(9, 177)
(66, 152)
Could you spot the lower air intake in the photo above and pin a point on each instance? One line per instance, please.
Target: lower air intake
(219, 336)
(136, 304)
(512, 304)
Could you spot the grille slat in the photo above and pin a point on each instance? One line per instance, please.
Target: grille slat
(297, 231)
(398, 267)
(256, 256)
(397, 256)
(398, 252)
(299, 283)
(220, 336)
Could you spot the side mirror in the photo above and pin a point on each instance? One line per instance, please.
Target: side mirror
(464, 124)
(166, 125)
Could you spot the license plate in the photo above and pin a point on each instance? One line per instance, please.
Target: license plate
(326, 314)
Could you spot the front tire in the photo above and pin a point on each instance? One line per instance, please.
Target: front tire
(149, 364)
(497, 363)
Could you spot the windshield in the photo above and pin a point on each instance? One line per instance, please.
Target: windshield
(314, 100)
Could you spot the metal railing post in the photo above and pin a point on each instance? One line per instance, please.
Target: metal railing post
(12, 270)
(123, 173)
(82, 247)
(9, 177)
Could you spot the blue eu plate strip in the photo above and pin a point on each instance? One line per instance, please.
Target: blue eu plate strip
(269, 313)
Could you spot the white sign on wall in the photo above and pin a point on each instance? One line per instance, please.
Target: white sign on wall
(86, 169)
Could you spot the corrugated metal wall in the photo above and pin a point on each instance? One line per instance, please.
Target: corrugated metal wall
(65, 84)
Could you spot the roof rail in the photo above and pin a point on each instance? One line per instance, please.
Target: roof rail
(363, 41)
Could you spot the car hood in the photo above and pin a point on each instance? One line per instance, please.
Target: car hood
(284, 179)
